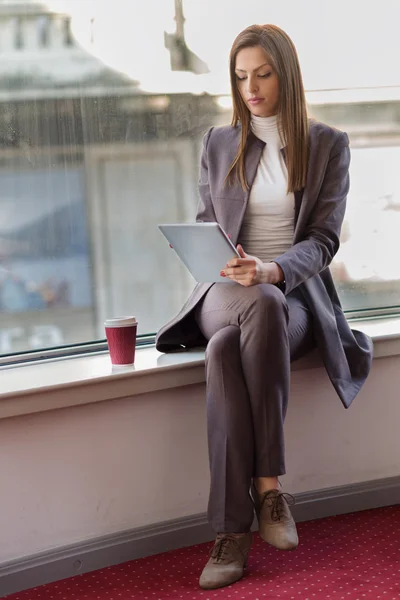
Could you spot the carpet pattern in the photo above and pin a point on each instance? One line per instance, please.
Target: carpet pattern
(349, 557)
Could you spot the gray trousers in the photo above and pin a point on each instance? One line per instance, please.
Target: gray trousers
(253, 334)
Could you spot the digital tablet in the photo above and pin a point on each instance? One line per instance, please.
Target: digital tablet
(204, 248)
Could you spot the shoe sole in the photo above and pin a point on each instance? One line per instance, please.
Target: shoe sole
(216, 587)
(285, 548)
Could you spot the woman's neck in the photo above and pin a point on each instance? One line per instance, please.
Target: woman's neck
(265, 128)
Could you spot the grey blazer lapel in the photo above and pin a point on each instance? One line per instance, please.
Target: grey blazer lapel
(317, 164)
(298, 195)
(254, 150)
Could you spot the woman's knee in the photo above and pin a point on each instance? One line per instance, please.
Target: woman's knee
(268, 297)
(222, 342)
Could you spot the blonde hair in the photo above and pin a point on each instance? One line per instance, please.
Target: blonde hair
(292, 107)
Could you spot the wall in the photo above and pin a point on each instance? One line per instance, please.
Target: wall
(75, 474)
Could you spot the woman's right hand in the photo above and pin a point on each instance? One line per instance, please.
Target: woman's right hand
(249, 270)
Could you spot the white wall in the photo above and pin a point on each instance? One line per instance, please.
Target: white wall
(75, 474)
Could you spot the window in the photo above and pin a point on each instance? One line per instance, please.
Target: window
(68, 41)
(18, 33)
(366, 269)
(100, 142)
(43, 26)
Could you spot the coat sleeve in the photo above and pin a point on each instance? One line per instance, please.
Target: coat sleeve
(205, 210)
(321, 239)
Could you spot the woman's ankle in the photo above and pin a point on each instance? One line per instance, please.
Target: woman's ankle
(266, 484)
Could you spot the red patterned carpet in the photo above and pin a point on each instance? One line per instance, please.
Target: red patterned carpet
(350, 557)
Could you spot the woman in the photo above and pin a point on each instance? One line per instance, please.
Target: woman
(277, 183)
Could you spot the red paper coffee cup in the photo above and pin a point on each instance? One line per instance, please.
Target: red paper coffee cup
(121, 339)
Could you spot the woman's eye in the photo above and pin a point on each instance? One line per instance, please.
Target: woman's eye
(240, 78)
(265, 75)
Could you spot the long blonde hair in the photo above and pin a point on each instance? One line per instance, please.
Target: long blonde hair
(292, 107)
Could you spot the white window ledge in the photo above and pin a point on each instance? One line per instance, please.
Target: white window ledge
(52, 384)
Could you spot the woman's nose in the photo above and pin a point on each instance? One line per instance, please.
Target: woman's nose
(252, 85)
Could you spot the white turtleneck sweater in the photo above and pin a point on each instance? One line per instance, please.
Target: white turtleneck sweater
(268, 224)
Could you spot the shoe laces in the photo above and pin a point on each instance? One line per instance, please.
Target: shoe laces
(276, 503)
(223, 545)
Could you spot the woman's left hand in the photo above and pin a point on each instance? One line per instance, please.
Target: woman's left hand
(249, 270)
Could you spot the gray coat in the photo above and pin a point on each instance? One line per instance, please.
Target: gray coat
(319, 212)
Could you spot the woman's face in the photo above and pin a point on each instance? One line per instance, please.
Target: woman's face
(257, 82)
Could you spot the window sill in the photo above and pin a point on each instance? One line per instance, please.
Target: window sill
(59, 383)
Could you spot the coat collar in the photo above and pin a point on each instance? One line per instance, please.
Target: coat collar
(254, 150)
(255, 147)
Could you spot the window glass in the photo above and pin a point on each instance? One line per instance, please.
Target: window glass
(43, 23)
(103, 108)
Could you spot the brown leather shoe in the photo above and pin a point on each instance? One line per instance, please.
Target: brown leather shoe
(227, 561)
(275, 521)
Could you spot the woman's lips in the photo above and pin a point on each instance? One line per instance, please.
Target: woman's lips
(255, 101)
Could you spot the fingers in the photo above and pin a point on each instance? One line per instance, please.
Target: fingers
(238, 271)
(240, 275)
(241, 251)
(245, 282)
(238, 262)
(241, 270)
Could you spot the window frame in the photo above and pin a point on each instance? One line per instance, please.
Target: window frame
(71, 351)
(94, 155)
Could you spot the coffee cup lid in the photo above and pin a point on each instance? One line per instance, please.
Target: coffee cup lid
(120, 322)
